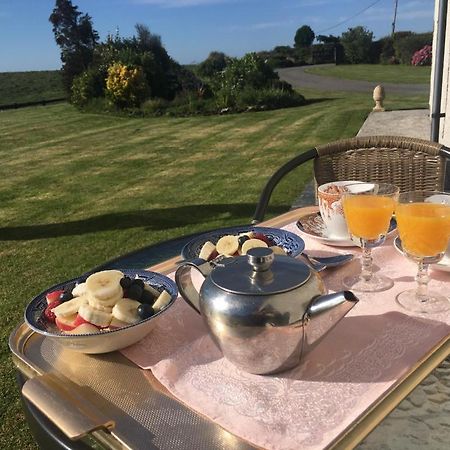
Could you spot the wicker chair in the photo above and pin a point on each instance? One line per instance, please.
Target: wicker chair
(409, 163)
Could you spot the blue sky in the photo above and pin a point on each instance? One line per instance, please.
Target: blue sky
(190, 29)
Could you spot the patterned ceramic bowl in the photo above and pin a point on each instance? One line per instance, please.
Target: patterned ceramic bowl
(104, 341)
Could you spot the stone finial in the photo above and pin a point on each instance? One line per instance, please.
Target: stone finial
(378, 97)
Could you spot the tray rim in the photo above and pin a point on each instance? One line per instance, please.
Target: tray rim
(361, 427)
(349, 438)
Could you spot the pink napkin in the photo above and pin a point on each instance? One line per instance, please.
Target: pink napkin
(308, 407)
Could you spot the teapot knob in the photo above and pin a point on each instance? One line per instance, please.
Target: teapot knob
(260, 258)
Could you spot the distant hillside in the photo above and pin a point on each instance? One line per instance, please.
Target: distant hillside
(24, 87)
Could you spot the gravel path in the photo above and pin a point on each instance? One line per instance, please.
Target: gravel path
(300, 79)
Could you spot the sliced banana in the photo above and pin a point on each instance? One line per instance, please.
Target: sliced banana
(252, 243)
(105, 303)
(227, 245)
(152, 290)
(278, 250)
(95, 316)
(163, 299)
(126, 310)
(70, 307)
(116, 323)
(207, 250)
(84, 328)
(65, 323)
(105, 306)
(105, 284)
(79, 290)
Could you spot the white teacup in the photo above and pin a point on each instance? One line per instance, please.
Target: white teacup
(330, 206)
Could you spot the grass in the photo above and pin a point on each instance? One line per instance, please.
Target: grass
(377, 73)
(24, 87)
(78, 189)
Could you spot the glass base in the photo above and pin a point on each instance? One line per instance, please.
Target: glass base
(376, 283)
(435, 302)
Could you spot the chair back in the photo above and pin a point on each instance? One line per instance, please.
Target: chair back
(409, 163)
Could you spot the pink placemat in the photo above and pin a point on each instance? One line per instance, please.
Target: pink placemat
(361, 359)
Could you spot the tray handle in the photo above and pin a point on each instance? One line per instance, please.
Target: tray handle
(62, 402)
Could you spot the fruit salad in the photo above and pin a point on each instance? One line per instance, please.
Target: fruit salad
(235, 245)
(107, 300)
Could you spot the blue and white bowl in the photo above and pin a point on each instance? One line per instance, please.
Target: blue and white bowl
(103, 341)
(292, 244)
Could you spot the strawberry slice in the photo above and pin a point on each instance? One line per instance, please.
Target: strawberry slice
(66, 323)
(79, 320)
(213, 255)
(48, 313)
(264, 238)
(52, 296)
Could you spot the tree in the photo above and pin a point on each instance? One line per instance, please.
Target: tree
(76, 38)
(213, 64)
(330, 39)
(357, 43)
(304, 37)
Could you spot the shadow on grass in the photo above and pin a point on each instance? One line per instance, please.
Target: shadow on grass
(149, 219)
(311, 101)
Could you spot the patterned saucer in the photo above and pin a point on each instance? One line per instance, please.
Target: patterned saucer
(443, 264)
(313, 226)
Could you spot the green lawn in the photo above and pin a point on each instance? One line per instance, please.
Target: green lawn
(377, 73)
(23, 87)
(78, 189)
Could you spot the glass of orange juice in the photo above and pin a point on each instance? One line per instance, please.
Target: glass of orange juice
(423, 220)
(368, 209)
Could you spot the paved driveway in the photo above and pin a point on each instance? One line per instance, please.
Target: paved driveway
(300, 79)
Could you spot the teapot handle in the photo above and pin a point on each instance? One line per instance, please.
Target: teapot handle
(184, 280)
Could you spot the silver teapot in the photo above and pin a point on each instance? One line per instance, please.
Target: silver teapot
(264, 311)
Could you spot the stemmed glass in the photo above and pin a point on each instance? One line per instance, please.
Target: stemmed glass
(423, 219)
(368, 208)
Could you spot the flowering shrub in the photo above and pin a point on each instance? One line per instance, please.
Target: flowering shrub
(126, 85)
(422, 57)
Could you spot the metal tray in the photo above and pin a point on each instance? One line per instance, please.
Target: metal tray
(106, 398)
(107, 401)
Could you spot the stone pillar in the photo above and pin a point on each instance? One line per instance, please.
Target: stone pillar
(378, 97)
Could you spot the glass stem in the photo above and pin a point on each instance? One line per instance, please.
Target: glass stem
(366, 269)
(422, 280)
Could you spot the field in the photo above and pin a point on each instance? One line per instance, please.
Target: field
(78, 189)
(24, 87)
(376, 72)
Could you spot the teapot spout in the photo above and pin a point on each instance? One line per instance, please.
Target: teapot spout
(345, 300)
(324, 312)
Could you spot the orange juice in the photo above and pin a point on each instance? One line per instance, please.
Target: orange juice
(368, 216)
(424, 228)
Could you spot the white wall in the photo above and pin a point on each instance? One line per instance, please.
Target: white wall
(444, 127)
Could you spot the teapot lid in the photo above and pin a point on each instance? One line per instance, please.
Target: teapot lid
(260, 272)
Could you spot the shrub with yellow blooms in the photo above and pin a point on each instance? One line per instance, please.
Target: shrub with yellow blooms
(126, 85)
